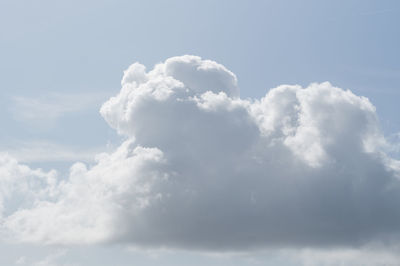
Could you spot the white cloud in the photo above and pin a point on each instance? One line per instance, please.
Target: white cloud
(53, 259)
(369, 255)
(46, 151)
(20, 260)
(366, 256)
(46, 109)
(203, 169)
(22, 187)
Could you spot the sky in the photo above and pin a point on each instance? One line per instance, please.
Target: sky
(199, 132)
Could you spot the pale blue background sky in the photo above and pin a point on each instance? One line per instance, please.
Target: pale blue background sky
(59, 60)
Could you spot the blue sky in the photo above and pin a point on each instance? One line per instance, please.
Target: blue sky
(61, 60)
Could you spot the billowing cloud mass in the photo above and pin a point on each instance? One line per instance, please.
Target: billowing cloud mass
(202, 168)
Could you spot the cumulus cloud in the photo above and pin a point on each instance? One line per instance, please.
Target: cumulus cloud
(202, 168)
(21, 186)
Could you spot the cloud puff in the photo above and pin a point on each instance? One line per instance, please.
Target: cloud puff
(20, 186)
(204, 169)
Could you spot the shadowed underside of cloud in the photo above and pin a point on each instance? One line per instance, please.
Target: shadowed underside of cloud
(204, 169)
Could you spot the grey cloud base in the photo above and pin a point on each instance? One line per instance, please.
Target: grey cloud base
(204, 169)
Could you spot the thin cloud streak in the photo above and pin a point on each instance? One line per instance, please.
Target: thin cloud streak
(46, 109)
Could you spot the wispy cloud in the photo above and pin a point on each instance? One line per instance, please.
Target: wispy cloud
(46, 151)
(53, 259)
(377, 12)
(20, 260)
(46, 109)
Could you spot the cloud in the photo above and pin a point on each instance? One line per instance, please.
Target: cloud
(203, 169)
(20, 260)
(46, 151)
(53, 259)
(368, 256)
(22, 187)
(46, 109)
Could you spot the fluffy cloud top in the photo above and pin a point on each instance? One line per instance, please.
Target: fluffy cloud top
(204, 169)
